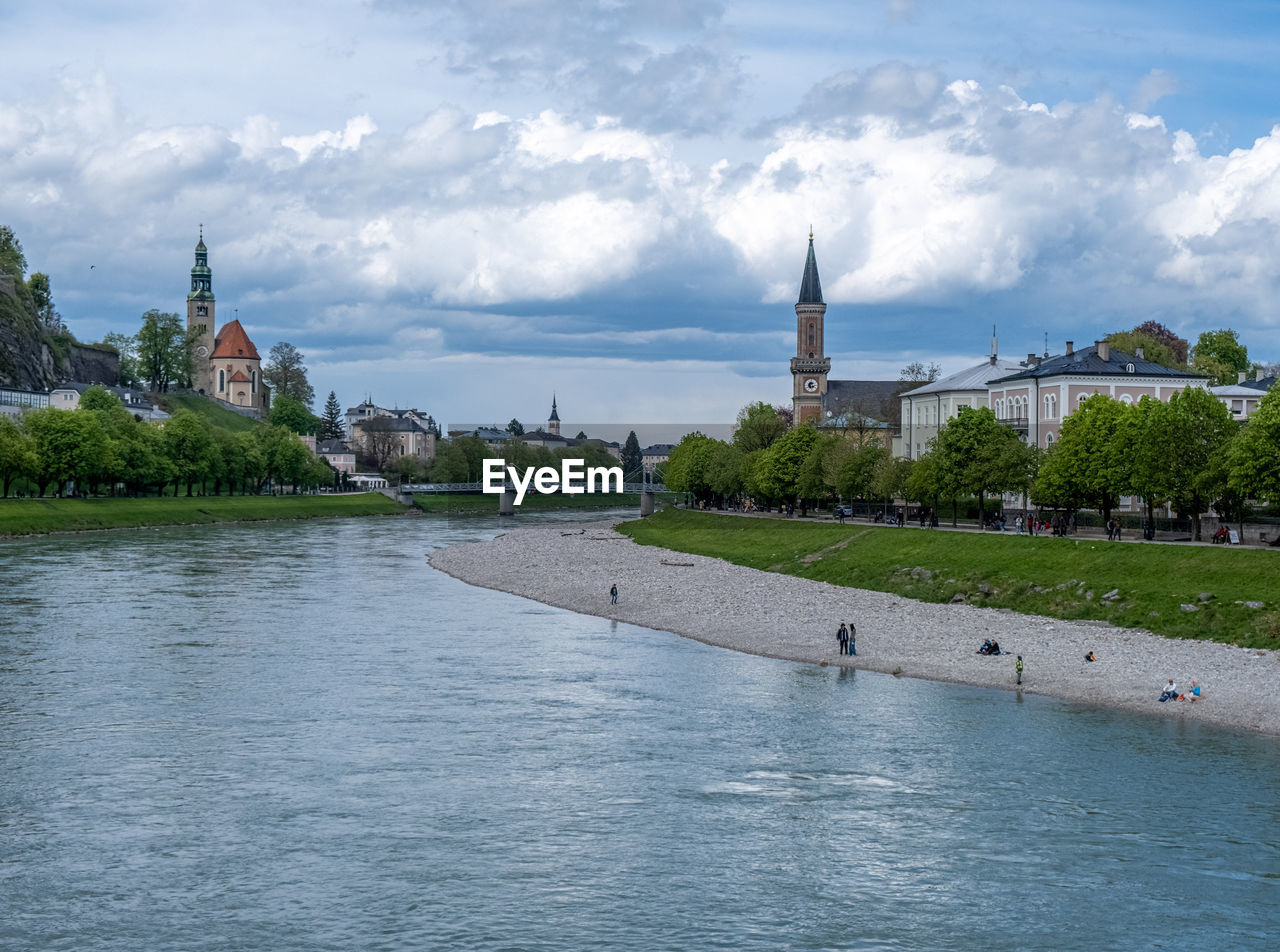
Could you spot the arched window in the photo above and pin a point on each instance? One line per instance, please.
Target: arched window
(1050, 406)
(222, 381)
(811, 333)
(1126, 399)
(253, 381)
(1082, 398)
(1048, 440)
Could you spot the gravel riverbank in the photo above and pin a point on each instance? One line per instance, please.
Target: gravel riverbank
(781, 616)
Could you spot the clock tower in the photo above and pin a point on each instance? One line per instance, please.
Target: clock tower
(809, 367)
(200, 324)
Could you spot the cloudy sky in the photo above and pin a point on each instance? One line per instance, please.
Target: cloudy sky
(463, 206)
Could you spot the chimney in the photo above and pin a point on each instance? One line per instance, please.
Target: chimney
(1071, 347)
(1240, 375)
(1141, 355)
(1031, 360)
(1104, 349)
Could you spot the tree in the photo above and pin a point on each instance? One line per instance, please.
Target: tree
(918, 374)
(759, 425)
(1195, 427)
(582, 435)
(189, 445)
(127, 347)
(42, 298)
(632, 457)
(725, 471)
(779, 467)
(1159, 344)
(292, 415)
(688, 466)
(1254, 462)
(1220, 356)
(380, 441)
(982, 455)
(1157, 331)
(1086, 467)
(515, 427)
(12, 260)
(164, 351)
(286, 375)
(66, 445)
(450, 464)
(331, 427)
(17, 458)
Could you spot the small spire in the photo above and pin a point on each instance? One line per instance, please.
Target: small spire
(811, 231)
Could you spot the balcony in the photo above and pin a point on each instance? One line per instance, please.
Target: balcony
(1020, 425)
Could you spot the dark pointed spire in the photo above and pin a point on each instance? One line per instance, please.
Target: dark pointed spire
(554, 416)
(810, 286)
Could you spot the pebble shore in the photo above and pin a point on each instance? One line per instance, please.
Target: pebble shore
(780, 616)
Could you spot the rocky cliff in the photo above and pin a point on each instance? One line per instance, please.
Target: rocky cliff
(34, 358)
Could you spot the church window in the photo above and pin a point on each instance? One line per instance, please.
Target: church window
(811, 338)
(222, 380)
(1048, 440)
(253, 381)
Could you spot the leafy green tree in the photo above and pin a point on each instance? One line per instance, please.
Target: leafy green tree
(189, 446)
(889, 481)
(982, 455)
(759, 426)
(813, 483)
(1159, 344)
(475, 451)
(854, 465)
(1137, 441)
(632, 457)
(689, 466)
(12, 260)
(142, 459)
(1086, 467)
(164, 351)
(780, 465)
(724, 472)
(126, 345)
(331, 427)
(248, 463)
(1254, 462)
(292, 415)
(286, 374)
(42, 298)
(1196, 429)
(17, 457)
(449, 465)
(1220, 355)
(515, 427)
(67, 446)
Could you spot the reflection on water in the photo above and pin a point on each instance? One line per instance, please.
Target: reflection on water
(299, 736)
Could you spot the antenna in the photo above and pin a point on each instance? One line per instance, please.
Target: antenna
(1046, 344)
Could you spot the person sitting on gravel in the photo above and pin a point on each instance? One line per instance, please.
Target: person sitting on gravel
(1194, 694)
(986, 647)
(1170, 691)
(1091, 657)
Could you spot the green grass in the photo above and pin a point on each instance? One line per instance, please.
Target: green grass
(482, 503)
(1059, 578)
(34, 516)
(207, 408)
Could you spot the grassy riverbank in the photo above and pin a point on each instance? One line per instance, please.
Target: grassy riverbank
(533, 502)
(1059, 578)
(35, 516)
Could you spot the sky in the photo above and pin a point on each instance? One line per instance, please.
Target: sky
(467, 207)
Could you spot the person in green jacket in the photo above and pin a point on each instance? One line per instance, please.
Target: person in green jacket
(1017, 666)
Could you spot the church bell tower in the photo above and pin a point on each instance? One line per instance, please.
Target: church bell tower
(809, 367)
(200, 324)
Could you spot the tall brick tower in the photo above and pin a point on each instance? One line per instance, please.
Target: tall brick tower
(200, 320)
(809, 367)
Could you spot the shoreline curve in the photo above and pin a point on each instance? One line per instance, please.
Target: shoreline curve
(795, 619)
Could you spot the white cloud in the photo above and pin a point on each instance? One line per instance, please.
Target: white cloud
(348, 140)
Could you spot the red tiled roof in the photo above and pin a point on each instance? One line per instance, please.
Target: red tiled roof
(232, 341)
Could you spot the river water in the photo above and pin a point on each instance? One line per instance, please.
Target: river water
(300, 736)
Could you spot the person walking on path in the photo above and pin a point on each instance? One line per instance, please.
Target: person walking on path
(853, 638)
(613, 594)
(1017, 667)
(842, 636)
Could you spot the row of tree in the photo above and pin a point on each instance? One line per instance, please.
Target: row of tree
(101, 447)
(1188, 453)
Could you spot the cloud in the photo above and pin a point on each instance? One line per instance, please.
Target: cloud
(1152, 88)
(348, 140)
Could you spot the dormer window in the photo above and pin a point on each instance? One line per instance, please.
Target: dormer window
(1129, 368)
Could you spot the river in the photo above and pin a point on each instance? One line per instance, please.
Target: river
(298, 736)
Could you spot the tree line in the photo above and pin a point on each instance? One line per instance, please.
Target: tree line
(1188, 453)
(102, 447)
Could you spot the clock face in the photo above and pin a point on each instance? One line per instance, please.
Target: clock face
(810, 385)
(202, 351)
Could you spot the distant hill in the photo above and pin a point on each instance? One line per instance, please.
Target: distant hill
(32, 356)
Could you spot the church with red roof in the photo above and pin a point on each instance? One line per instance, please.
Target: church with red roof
(226, 365)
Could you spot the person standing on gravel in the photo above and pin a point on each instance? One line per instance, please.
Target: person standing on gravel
(853, 638)
(613, 594)
(842, 636)
(1017, 667)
